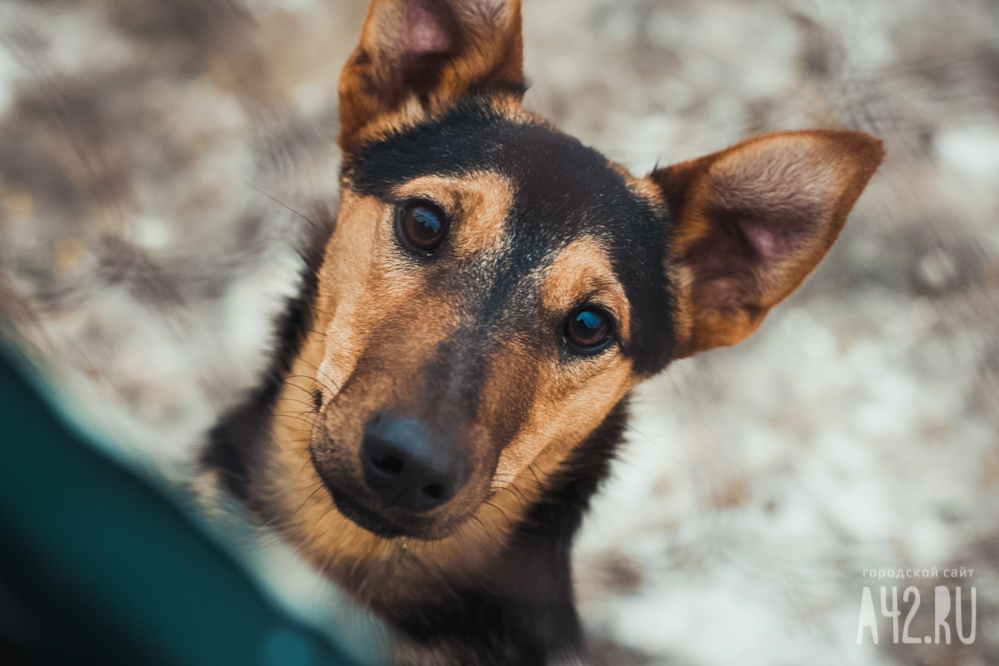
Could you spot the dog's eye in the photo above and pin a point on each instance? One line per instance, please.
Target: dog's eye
(421, 226)
(589, 329)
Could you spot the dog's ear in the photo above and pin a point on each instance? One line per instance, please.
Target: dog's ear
(428, 53)
(752, 221)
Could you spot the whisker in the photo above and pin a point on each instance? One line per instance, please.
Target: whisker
(317, 489)
(279, 202)
(530, 468)
(304, 402)
(502, 513)
(302, 417)
(520, 498)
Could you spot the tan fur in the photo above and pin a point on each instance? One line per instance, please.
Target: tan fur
(568, 406)
(345, 307)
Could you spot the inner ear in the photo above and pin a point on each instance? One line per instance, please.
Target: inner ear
(429, 52)
(752, 221)
(430, 36)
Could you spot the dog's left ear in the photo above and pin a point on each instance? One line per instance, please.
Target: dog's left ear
(424, 55)
(752, 221)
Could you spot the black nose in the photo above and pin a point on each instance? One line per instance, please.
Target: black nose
(408, 465)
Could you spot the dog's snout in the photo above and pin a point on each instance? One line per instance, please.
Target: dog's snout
(410, 466)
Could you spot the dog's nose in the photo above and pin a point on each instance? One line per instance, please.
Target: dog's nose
(408, 465)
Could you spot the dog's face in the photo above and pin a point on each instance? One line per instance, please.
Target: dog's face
(493, 288)
(487, 302)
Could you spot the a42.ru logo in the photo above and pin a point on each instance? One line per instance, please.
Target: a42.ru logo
(941, 612)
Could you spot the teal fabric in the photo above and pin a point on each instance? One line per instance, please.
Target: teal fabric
(106, 570)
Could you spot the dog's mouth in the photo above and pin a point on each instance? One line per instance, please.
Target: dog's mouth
(363, 517)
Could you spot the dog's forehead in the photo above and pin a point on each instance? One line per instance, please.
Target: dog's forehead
(559, 192)
(562, 188)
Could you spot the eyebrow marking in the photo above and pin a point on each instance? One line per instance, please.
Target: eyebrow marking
(479, 202)
(583, 270)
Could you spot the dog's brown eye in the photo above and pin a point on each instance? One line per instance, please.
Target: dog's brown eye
(588, 329)
(422, 226)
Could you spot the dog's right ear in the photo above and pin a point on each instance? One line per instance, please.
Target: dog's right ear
(419, 57)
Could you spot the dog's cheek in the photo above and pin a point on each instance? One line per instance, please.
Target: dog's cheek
(569, 403)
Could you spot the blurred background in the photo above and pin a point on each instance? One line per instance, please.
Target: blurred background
(157, 160)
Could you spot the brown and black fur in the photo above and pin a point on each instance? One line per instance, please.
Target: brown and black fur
(470, 342)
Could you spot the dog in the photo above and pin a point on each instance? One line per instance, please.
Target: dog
(451, 383)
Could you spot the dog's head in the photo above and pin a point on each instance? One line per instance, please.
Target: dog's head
(494, 288)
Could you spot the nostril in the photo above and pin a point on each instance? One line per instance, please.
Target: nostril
(434, 491)
(388, 465)
(408, 465)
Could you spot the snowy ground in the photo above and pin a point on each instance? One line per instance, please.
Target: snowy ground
(143, 146)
